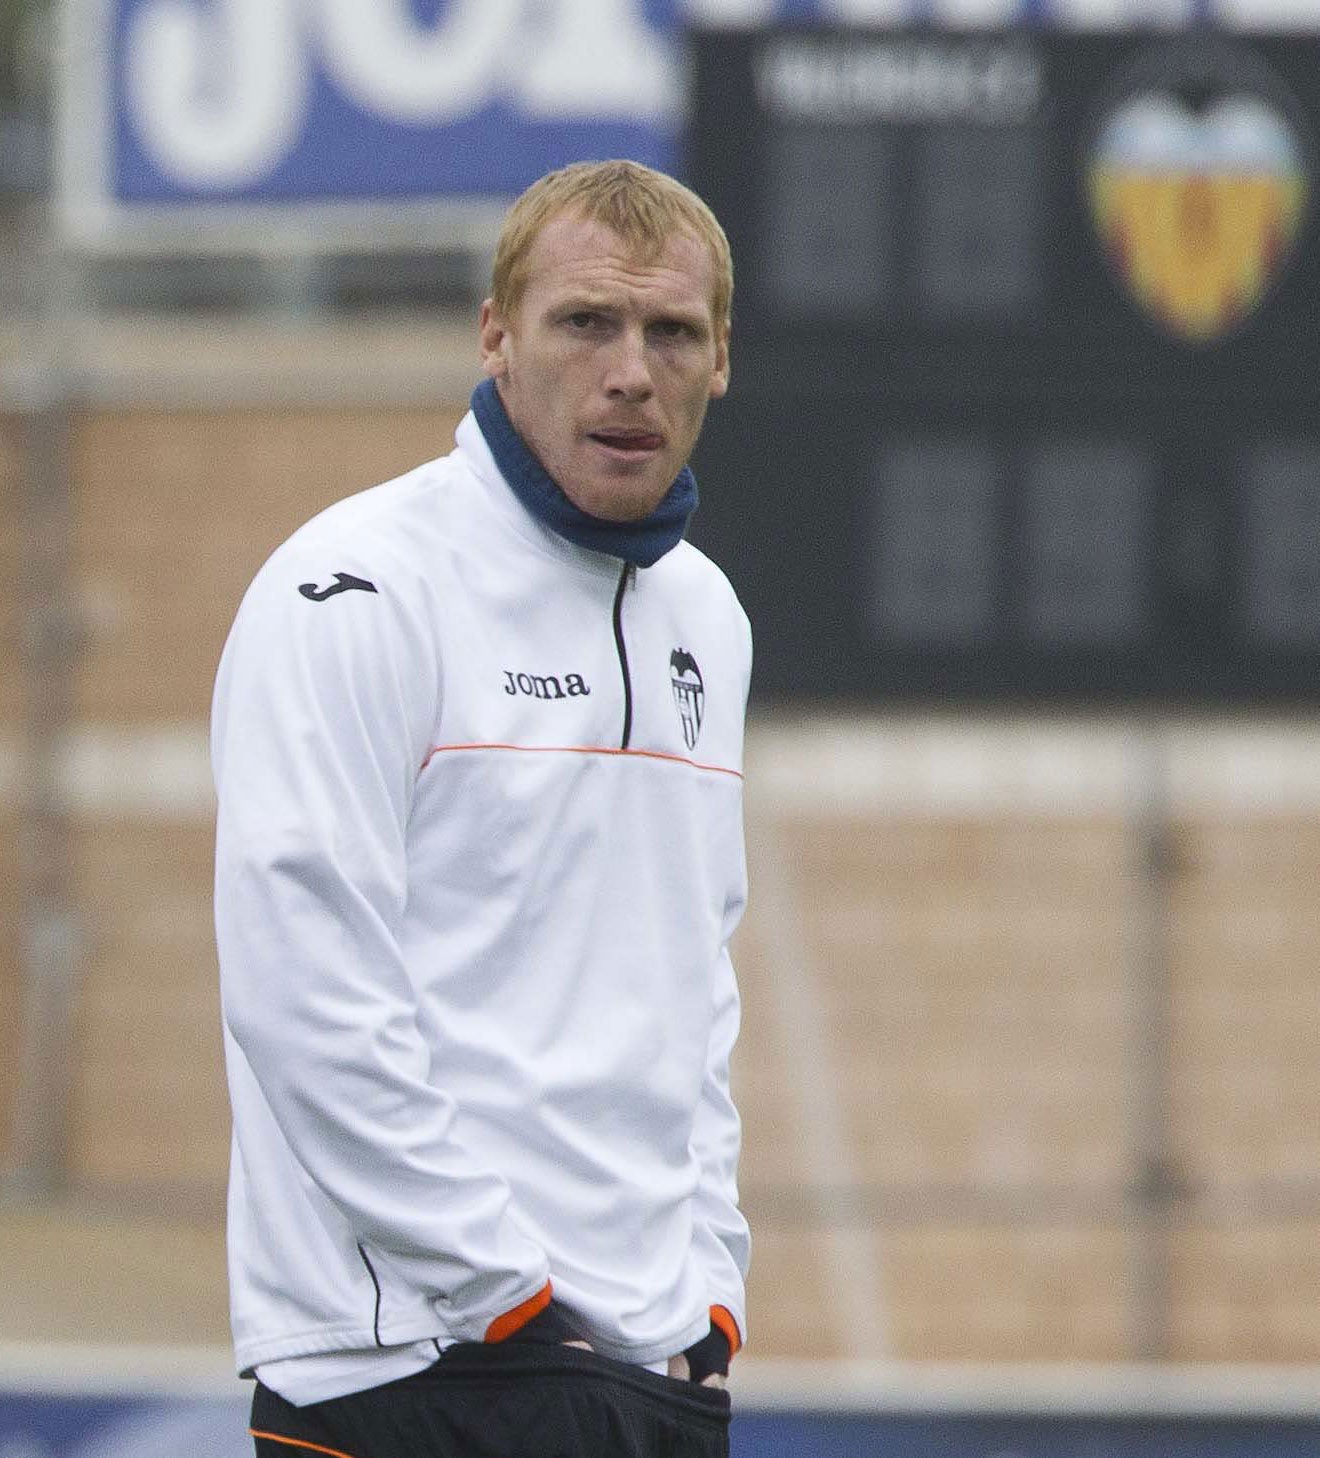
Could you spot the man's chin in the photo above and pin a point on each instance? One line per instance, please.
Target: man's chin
(622, 500)
(623, 514)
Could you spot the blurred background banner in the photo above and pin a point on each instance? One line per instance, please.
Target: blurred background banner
(192, 120)
(119, 1426)
(176, 106)
(1050, 299)
(111, 1416)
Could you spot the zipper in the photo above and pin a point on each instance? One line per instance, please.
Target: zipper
(628, 575)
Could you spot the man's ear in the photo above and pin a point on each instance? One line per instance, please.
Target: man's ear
(494, 337)
(719, 380)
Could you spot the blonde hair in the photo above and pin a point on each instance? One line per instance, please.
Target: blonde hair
(644, 207)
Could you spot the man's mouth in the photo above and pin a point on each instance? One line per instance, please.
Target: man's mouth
(632, 441)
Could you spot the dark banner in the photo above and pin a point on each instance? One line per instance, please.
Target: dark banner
(1026, 362)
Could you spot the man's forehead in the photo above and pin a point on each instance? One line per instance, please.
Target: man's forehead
(575, 252)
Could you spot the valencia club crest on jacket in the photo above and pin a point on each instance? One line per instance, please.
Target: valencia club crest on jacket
(689, 693)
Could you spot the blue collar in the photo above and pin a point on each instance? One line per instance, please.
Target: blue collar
(640, 542)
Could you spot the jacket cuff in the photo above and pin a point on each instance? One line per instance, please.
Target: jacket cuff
(505, 1326)
(722, 1317)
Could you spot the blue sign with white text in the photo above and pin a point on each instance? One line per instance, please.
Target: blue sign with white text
(261, 100)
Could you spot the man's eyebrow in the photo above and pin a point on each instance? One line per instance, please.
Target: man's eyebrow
(584, 299)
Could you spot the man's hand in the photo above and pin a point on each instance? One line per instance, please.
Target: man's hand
(680, 1368)
(705, 1362)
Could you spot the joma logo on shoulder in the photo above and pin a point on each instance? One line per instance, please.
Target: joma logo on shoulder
(545, 686)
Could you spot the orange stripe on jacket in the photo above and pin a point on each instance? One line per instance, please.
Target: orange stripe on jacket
(722, 1317)
(504, 1326)
(716, 769)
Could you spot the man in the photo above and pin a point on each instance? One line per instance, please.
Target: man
(477, 742)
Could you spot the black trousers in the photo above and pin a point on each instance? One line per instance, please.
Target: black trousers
(511, 1400)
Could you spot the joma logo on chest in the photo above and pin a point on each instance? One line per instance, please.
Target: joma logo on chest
(545, 686)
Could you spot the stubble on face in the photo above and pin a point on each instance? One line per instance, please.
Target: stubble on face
(608, 363)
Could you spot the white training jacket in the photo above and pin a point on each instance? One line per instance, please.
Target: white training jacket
(479, 856)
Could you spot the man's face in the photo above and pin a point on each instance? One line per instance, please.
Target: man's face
(607, 364)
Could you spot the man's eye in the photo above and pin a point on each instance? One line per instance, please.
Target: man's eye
(674, 329)
(582, 319)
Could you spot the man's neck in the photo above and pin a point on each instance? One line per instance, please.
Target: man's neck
(641, 542)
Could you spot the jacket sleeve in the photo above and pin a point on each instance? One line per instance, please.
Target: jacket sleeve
(322, 717)
(722, 1240)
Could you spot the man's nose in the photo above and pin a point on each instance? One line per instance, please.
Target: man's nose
(628, 375)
